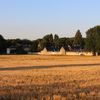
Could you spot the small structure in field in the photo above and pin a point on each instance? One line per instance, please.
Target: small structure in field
(62, 51)
(8, 50)
(11, 50)
(44, 51)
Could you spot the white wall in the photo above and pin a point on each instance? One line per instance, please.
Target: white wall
(67, 53)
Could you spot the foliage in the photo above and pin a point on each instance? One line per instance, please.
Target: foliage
(48, 41)
(93, 39)
(54, 43)
(78, 40)
(3, 45)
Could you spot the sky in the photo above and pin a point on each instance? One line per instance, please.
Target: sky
(32, 19)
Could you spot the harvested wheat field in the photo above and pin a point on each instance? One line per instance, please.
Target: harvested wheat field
(38, 77)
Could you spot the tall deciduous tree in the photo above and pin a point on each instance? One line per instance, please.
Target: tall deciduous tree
(78, 40)
(3, 45)
(56, 42)
(48, 41)
(93, 40)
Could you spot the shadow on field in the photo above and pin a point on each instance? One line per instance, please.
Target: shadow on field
(56, 91)
(48, 66)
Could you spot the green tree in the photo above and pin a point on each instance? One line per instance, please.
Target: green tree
(34, 46)
(56, 42)
(48, 41)
(78, 40)
(64, 42)
(3, 45)
(93, 40)
(40, 45)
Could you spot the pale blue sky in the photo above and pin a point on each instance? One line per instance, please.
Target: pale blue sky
(33, 19)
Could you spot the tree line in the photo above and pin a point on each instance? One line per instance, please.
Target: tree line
(91, 43)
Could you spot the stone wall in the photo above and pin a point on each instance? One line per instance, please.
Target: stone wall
(79, 53)
(63, 52)
(67, 53)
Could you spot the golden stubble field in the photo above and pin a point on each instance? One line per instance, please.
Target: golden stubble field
(41, 77)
